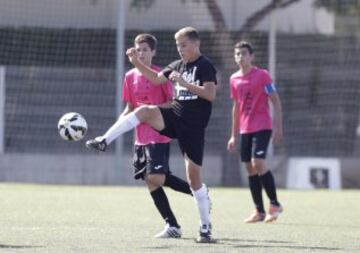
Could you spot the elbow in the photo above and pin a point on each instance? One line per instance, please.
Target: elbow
(157, 80)
(212, 96)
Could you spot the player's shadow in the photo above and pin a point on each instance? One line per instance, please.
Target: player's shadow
(249, 243)
(233, 241)
(289, 247)
(160, 247)
(238, 240)
(244, 243)
(8, 246)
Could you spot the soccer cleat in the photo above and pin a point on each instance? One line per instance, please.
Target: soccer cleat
(274, 212)
(169, 232)
(256, 216)
(99, 143)
(205, 234)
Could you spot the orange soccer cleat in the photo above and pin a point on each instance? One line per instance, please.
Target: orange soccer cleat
(274, 212)
(256, 216)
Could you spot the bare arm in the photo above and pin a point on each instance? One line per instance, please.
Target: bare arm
(235, 119)
(235, 127)
(207, 91)
(277, 117)
(165, 105)
(151, 75)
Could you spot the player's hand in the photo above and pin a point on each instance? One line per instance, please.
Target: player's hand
(176, 77)
(277, 134)
(132, 54)
(231, 146)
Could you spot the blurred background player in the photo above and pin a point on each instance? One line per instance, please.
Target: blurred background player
(251, 88)
(151, 151)
(186, 119)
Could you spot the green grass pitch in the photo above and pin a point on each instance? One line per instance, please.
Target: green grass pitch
(61, 219)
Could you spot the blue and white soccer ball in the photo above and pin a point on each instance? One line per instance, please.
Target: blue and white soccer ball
(72, 126)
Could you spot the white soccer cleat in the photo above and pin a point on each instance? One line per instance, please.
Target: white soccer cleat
(169, 232)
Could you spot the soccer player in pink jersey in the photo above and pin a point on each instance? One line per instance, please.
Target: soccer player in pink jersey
(151, 155)
(251, 88)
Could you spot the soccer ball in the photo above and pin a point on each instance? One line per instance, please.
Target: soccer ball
(72, 126)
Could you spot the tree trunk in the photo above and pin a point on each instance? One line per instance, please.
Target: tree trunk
(259, 15)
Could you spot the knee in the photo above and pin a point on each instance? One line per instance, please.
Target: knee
(145, 112)
(259, 166)
(251, 170)
(156, 180)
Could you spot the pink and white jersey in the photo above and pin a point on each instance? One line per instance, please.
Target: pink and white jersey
(137, 91)
(251, 92)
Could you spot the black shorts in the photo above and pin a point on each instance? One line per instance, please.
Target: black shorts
(191, 139)
(261, 141)
(151, 159)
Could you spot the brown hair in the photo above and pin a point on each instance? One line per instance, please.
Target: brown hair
(244, 44)
(146, 38)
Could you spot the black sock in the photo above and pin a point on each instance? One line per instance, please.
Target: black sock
(162, 204)
(269, 185)
(177, 184)
(255, 189)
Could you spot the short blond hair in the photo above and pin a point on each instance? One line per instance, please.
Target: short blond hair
(189, 32)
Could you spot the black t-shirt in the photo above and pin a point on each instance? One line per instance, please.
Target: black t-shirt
(194, 110)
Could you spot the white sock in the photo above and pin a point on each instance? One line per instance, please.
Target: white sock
(122, 125)
(202, 201)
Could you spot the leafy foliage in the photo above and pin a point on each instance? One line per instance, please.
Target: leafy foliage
(350, 7)
(146, 4)
(141, 4)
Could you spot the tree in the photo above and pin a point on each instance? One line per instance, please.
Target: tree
(341, 7)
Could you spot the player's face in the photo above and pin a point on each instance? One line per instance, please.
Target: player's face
(145, 53)
(188, 49)
(242, 57)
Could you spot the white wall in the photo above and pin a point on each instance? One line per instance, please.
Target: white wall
(89, 169)
(301, 17)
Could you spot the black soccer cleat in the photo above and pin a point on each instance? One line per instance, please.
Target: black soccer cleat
(205, 234)
(98, 144)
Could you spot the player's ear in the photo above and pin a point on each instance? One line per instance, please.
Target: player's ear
(198, 43)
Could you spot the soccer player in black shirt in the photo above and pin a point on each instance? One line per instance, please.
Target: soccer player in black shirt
(194, 78)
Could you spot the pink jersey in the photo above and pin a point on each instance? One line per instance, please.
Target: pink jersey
(137, 91)
(251, 92)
